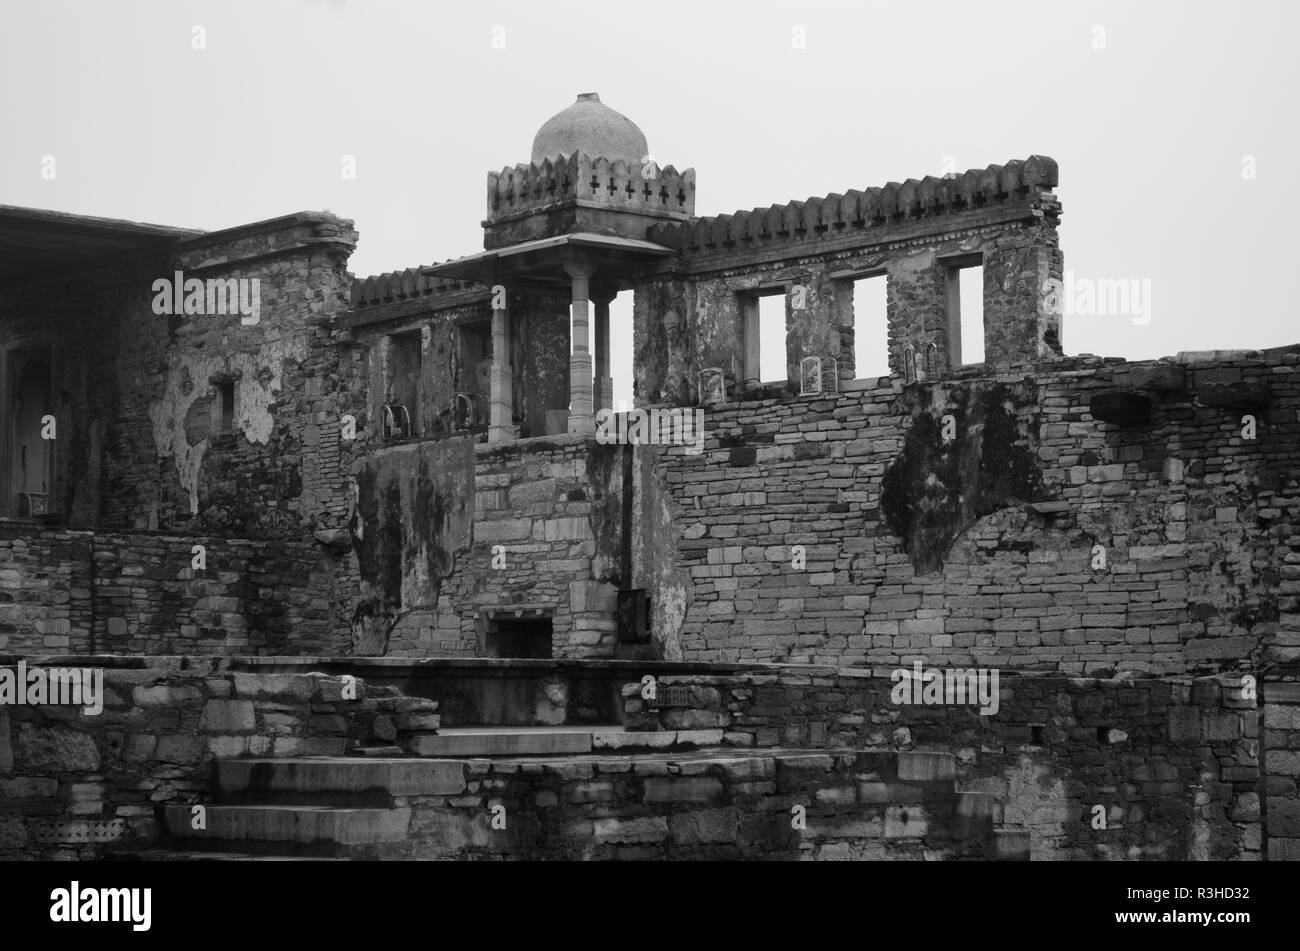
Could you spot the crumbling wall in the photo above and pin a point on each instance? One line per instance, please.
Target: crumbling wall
(137, 387)
(74, 785)
(546, 517)
(132, 593)
(415, 511)
(1281, 756)
(46, 603)
(1088, 769)
(845, 529)
(916, 232)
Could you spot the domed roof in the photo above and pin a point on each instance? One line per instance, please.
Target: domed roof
(590, 126)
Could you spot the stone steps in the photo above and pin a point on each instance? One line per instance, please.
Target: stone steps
(601, 804)
(291, 829)
(343, 781)
(552, 741)
(191, 855)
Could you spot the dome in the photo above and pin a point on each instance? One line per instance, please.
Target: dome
(590, 126)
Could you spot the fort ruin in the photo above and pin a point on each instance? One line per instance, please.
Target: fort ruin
(399, 479)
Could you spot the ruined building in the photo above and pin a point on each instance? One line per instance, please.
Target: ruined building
(224, 447)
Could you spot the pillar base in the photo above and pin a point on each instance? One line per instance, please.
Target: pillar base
(584, 425)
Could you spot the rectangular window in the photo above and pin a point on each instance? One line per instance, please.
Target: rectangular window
(966, 311)
(402, 376)
(870, 327)
(771, 338)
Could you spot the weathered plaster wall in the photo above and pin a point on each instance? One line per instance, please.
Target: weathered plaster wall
(134, 389)
(547, 515)
(415, 515)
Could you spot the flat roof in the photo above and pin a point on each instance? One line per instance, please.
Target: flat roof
(35, 239)
(533, 258)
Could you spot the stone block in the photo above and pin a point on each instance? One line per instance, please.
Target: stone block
(641, 829)
(682, 789)
(703, 826)
(163, 695)
(228, 716)
(921, 766)
(56, 749)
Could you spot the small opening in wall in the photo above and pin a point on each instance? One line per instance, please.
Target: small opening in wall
(1036, 735)
(226, 404)
(519, 637)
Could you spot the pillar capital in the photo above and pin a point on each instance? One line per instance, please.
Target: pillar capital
(578, 265)
(602, 295)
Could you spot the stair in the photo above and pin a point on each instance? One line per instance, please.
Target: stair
(589, 793)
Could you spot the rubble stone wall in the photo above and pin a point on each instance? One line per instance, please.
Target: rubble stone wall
(996, 521)
(135, 593)
(73, 784)
(1174, 765)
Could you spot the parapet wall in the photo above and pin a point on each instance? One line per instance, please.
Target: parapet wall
(699, 311)
(641, 187)
(886, 207)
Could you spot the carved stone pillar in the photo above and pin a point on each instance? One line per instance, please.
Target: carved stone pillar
(581, 418)
(501, 401)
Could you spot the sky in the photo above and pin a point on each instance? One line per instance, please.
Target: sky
(1173, 123)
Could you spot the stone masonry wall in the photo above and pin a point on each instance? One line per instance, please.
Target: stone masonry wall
(1174, 764)
(546, 516)
(689, 315)
(1281, 755)
(87, 592)
(134, 390)
(848, 529)
(73, 784)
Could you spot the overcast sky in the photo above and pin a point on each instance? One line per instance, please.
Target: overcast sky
(1159, 114)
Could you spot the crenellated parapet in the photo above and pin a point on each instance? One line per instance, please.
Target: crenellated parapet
(399, 286)
(643, 187)
(895, 203)
(581, 193)
(919, 235)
